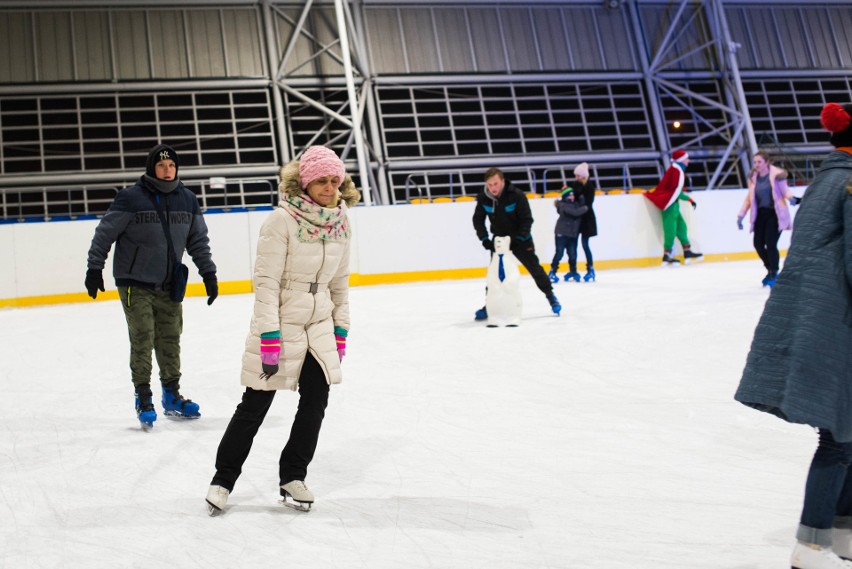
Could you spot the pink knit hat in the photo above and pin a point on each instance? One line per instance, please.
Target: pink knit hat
(319, 161)
(582, 170)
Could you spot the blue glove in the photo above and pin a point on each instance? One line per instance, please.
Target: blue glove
(740, 222)
(795, 200)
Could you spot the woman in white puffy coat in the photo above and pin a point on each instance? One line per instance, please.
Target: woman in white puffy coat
(298, 331)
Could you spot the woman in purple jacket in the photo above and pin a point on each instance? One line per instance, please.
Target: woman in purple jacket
(767, 203)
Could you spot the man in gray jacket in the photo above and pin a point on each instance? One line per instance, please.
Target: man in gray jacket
(145, 269)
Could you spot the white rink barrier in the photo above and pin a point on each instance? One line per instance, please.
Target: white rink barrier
(45, 262)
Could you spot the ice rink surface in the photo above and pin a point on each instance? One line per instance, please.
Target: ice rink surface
(607, 438)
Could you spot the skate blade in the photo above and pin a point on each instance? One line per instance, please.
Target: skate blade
(213, 511)
(146, 426)
(179, 415)
(294, 505)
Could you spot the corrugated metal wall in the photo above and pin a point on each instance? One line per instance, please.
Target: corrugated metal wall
(812, 37)
(129, 45)
(55, 45)
(498, 39)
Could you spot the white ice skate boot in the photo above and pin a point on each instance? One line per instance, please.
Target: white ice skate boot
(841, 542)
(217, 497)
(807, 557)
(296, 495)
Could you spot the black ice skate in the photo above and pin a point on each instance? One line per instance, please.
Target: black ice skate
(689, 256)
(669, 261)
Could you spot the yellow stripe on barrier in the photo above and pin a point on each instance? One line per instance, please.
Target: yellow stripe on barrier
(357, 279)
(195, 289)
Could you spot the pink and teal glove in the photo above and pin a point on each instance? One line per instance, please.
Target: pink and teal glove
(270, 352)
(340, 335)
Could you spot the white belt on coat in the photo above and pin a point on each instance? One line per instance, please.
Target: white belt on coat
(312, 288)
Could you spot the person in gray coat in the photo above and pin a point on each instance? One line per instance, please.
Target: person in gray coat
(571, 209)
(152, 223)
(800, 364)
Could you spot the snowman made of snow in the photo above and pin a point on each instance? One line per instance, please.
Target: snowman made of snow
(503, 300)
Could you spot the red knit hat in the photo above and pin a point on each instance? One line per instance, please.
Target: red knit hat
(837, 119)
(679, 155)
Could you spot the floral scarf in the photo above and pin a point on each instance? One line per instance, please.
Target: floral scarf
(317, 223)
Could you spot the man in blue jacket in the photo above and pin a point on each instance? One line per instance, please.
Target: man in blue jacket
(508, 213)
(144, 269)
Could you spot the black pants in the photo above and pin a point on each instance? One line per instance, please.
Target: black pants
(299, 450)
(766, 236)
(524, 251)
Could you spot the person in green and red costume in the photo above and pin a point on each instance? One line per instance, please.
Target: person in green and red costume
(666, 196)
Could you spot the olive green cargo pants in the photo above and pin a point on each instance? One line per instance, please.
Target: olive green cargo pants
(155, 323)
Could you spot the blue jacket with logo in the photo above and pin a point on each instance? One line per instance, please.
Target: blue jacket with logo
(508, 214)
(141, 251)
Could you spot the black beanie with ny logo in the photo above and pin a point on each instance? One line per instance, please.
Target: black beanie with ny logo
(157, 154)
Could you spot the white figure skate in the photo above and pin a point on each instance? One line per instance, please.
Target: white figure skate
(296, 495)
(217, 497)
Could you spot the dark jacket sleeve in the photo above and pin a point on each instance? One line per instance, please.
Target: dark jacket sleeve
(589, 194)
(112, 225)
(198, 243)
(479, 221)
(847, 232)
(525, 219)
(573, 209)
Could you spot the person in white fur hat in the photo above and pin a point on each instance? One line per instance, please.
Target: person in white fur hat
(297, 337)
(584, 190)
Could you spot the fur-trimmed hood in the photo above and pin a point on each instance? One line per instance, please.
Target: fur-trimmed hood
(291, 185)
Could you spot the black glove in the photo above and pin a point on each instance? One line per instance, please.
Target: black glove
(795, 200)
(523, 244)
(488, 244)
(693, 204)
(94, 282)
(211, 286)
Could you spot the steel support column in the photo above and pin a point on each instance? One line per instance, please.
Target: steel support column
(653, 94)
(357, 132)
(278, 102)
(359, 105)
(658, 65)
